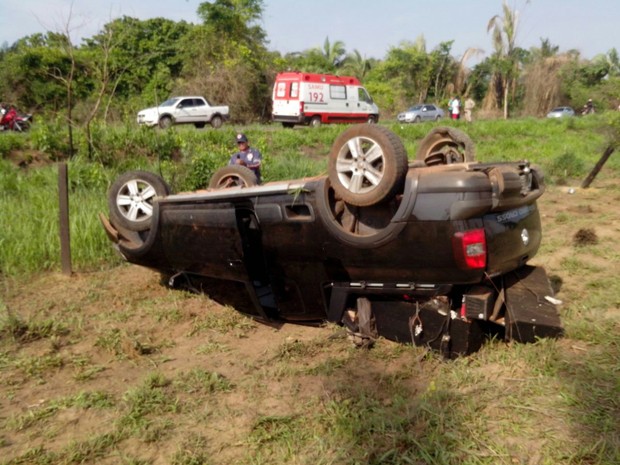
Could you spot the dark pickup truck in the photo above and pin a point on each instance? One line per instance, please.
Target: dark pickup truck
(433, 251)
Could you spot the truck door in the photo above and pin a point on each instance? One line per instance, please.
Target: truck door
(200, 110)
(184, 111)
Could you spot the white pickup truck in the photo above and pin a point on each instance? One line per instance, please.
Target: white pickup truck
(194, 110)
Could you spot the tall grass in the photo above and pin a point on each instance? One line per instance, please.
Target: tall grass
(187, 157)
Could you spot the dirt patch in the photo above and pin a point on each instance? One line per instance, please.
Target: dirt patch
(226, 377)
(29, 158)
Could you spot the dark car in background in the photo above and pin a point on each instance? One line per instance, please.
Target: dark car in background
(432, 252)
(422, 112)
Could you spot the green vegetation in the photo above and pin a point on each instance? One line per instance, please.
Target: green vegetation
(132, 64)
(108, 366)
(187, 158)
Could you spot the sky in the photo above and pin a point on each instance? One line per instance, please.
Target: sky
(371, 27)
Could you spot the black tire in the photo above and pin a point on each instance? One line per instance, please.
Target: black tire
(316, 122)
(446, 145)
(367, 165)
(416, 119)
(131, 198)
(165, 122)
(216, 122)
(233, 176)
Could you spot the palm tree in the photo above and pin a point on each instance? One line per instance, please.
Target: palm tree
(504, 33)
(357, 65)
(334, 53)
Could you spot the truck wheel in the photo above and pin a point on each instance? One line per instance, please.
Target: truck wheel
(131, 196)
(233, 176)
(165, 122)
(367, 165)
(216, 122)
(315, 122)
(444, 146)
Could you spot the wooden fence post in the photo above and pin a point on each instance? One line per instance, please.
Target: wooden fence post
(63, 201)
(599, 165)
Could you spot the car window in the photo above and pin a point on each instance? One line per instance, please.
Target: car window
(186, 103)
(363, 96)
(294, 89)
(338, 92)
(169, 102)
(415, 108)
(198, 102)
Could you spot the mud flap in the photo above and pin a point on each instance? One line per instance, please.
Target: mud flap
(529, 315)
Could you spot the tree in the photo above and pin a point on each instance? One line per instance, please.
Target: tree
(226, 58)
(356, 65)
(505, 58)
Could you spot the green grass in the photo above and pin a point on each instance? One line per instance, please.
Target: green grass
(186, 157)
(168, 377)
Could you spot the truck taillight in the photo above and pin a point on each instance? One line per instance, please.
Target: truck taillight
(470, 248)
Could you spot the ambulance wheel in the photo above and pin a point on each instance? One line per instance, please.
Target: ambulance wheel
(233, 176)
(367, 165)
(446, 145)
(315, 122)
(131, 197)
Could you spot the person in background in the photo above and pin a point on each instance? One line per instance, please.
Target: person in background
(469, 106)
(247, 156)
(456, 108)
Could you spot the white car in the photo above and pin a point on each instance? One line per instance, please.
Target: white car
(194, 110)
(422, 112)
(561, 112)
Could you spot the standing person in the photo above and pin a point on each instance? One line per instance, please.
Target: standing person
(456, 108)
(450, 102)
(469, 106)
(247, 156)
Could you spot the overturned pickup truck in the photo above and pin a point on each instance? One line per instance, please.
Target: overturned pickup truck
(432, 252)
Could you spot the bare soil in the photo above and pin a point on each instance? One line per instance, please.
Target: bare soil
(121, 325)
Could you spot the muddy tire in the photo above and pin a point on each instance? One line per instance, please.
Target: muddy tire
(233, 176)
(165, 122)
(216, 122)
(446, 145)
(131, 197)
(367, 165)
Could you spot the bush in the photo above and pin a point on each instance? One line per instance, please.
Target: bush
(564, 167)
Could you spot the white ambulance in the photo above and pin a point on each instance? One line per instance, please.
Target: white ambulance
(315, 99)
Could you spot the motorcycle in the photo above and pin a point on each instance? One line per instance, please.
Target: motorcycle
(13, 121)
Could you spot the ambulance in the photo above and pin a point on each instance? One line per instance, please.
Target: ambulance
(315, 99)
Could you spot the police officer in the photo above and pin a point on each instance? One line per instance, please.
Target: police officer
(247, 156)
